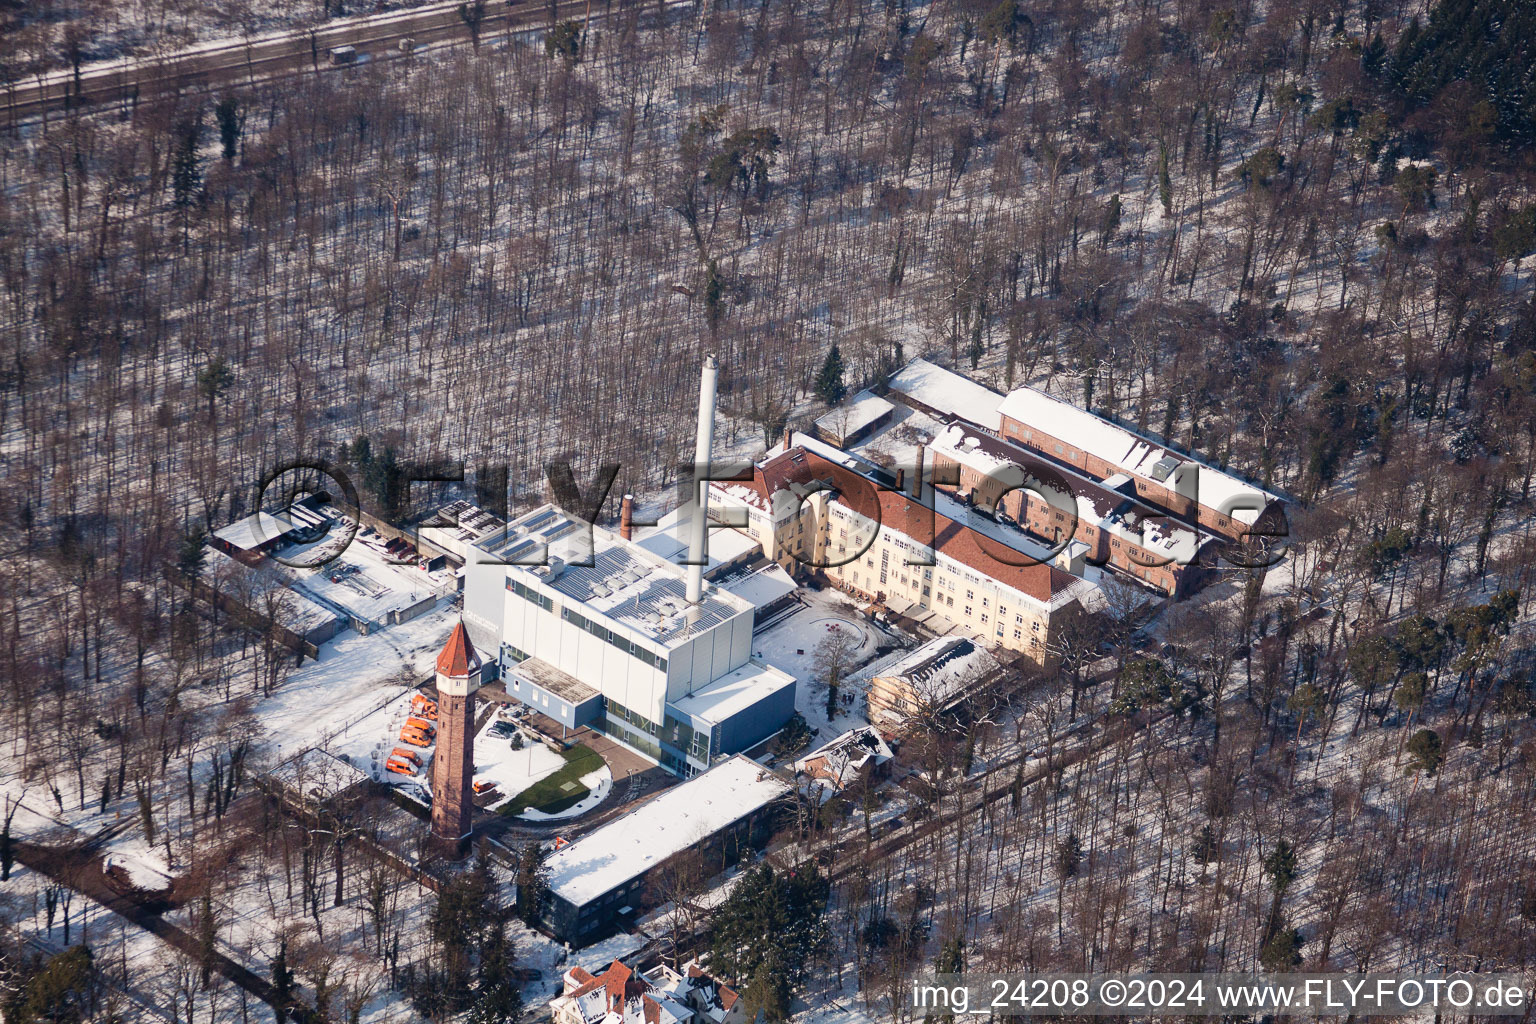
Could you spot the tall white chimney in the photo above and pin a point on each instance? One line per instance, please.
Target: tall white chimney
(701, 450)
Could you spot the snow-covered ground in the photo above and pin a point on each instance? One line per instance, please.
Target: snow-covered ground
(144, 868)
(355, 677)
(791, 645)
(512, 771)
(368, 741)
(541, 953)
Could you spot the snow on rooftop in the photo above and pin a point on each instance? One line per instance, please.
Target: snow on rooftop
(943, 668)
(1134, 454)
(734, 692)
(625, 582)
(253, 531)
(669, 539)
(1097, 503)
(941, 655)
(739, 494)
(662, 827)
(459, 524)
(838, 760)
(365, 581)
(1110, 442)
(318, 775)
(860, 412)
(248, 584)
(948, 392)
(1225, 492)
(762, 586)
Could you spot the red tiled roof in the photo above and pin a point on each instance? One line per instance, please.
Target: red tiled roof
(727, 996)
(458, 658)
(899, 511)
(622, 983)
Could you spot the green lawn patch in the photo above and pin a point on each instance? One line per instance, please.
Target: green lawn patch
(559, 790)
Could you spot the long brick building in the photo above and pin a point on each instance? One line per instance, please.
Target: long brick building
(1057, 504)
(1184, 486)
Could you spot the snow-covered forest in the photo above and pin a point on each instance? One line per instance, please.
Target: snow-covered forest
(1294, 236)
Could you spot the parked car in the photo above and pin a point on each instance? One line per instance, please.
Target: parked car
(415, 737)
(343, 55)
(502, 729)
(407, 755)
(421, 724)
(400, 766)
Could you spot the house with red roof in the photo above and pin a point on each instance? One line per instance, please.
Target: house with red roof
(621, 995)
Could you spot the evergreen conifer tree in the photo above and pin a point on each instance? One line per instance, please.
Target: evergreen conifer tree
(829, 382)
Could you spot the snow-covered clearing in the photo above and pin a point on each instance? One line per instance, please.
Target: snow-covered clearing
(790, 644)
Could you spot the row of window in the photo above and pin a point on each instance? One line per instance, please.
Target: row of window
(614, 710)
(638, 738)
(530, 595)
(1142, 487)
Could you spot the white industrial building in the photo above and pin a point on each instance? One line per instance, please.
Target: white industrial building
(595, 629)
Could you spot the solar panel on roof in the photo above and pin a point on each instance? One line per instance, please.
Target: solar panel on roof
(538, 520)
(519, 550)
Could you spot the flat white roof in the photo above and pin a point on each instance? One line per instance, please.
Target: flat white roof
(625, 583)
(861, 410)
(761, 586)
(459, 524)
(734, 692)
(669, 539)
(1133, 453)
(948, 392)
(664, 826)
(253, 531)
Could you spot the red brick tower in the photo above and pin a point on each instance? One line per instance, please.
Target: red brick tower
(453, 765)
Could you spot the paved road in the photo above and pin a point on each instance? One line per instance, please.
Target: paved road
(266, 57)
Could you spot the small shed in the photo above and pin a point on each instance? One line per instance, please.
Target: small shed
(317, 778)
(853, 421)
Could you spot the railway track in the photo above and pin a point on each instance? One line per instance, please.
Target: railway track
(267, 58)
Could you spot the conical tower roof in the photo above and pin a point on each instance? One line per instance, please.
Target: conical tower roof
(458, 658)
